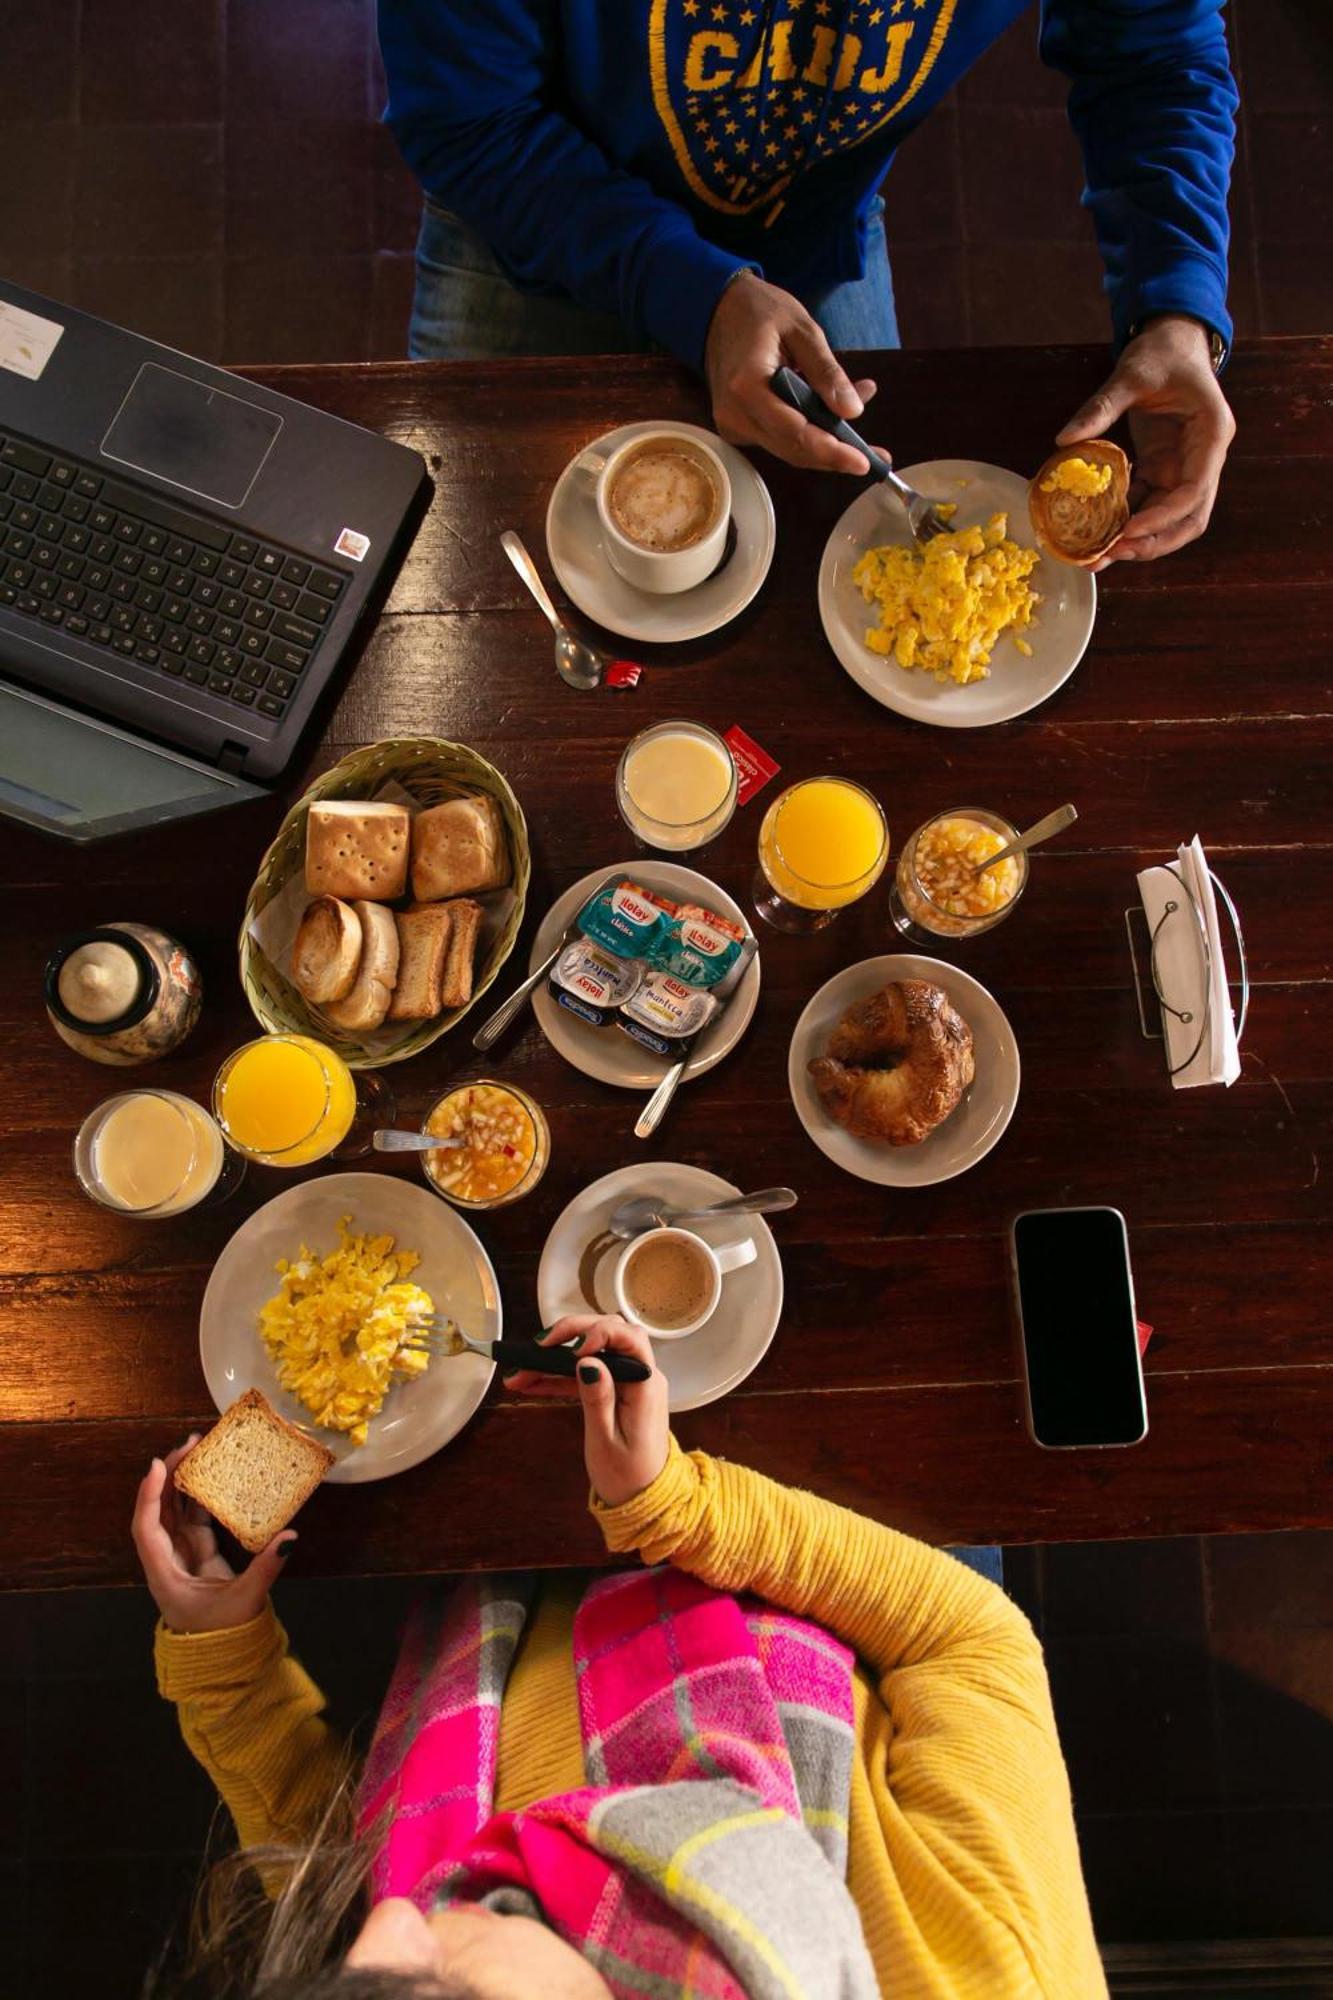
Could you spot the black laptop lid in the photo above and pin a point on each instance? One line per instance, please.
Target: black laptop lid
(82, 779)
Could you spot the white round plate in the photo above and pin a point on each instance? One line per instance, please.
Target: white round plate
(574, 544)
(605, 1053)
(729, 1346)
(1058, 635)
(419, 1416)
(970, 1130)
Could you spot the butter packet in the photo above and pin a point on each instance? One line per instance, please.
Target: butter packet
(697, 945)
(626, 920)
(666, 1015)
(593, 983)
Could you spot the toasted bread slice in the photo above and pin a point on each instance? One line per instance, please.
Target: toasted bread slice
(423, 948)
(1079, 528)
(368, 1002)
(463, 932)
(253, 1470)
(327, 951)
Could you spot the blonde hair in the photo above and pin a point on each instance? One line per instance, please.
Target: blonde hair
(275, 1922)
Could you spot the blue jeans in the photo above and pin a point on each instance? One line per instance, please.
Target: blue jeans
(466, 309)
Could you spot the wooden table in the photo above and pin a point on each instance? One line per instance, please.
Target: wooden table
(1205, 703)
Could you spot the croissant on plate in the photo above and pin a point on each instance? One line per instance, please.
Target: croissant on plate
(896, 1065)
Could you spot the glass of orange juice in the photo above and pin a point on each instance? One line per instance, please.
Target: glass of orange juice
(287, 1101)
(823, 844)
(153, 1154)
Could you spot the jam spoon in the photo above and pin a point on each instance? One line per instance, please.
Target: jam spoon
(1054, 822)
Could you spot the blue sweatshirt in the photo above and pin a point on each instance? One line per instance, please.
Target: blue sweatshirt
(633, 154)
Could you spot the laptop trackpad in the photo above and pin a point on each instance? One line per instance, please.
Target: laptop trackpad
(201, 438)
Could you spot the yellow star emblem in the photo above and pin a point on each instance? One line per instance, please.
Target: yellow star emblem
(822, 7)
(835, 124)
(807, 118)
(875, 18)
(771, 148)
(789, 131)
(798, 93)
(730, 125)
(897, 7)
(720, 13)
(691, 7)
(747, 18)
(710, 145)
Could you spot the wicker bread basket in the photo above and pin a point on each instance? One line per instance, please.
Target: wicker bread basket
(430, 770)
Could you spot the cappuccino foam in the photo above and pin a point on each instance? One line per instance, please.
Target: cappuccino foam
(668, 1283)
(663, 497)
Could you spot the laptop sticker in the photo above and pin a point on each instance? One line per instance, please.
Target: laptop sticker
(350, 543)
(27, 342)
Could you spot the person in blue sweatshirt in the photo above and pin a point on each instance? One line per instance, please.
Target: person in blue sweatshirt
(703, 176)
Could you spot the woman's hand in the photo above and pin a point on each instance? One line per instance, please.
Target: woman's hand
(755, 330)
(195, 1588)
(625, 1424)
(1180, 425)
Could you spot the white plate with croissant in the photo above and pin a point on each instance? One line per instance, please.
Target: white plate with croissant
(904, 1070)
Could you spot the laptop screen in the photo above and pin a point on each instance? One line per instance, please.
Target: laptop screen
(71, 775)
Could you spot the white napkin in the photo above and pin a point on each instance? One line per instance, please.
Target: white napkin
(1191, 978)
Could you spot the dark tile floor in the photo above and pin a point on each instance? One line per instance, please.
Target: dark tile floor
(1193, 1684)
(214, 173)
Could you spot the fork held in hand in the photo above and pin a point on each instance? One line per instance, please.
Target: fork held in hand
(440, 1336)
(923, 516)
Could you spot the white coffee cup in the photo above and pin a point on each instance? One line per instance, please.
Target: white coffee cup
(661, 570)
(714, 1263)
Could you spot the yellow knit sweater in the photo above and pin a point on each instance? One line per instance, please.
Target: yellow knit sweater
(963, 1860)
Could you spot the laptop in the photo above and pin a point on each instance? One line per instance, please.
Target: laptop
(185, 559)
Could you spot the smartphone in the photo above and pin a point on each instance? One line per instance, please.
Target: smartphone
(1076, 1315)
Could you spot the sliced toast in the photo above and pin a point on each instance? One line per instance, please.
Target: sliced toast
(253, 1471)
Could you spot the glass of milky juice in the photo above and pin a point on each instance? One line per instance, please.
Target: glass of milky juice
(676, 786)
(153, 1153)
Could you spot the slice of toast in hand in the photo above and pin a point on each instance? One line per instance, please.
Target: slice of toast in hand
(253, 1471)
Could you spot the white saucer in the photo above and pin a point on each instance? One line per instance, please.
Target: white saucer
(418, 1416)
(574, 544)
(713, 1361)
(606, 1053)
(970, 1130)
(1058, 635)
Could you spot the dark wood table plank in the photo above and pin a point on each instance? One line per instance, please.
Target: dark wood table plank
(1205, 702)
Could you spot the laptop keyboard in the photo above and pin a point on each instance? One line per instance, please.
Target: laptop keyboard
(176, 592)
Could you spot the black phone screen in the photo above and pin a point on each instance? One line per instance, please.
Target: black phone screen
(1080, 1344)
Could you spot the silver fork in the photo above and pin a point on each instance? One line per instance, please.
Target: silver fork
(436, 1335)
(923, 516)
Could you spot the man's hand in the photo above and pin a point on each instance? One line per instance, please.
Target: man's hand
(626, 1426)
(757, 329)
(195, 1588)
(1180, 425)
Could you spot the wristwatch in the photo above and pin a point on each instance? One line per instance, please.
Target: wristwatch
(1217, 347)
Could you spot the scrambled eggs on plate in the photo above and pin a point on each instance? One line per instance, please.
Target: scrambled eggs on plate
(943, 607)
(336, 1324)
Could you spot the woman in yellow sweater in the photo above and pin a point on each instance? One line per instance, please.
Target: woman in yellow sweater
(808, 1757)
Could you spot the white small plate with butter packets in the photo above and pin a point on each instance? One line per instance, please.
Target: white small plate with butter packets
(607, 1053)
(575, 1277)
(574, 544)
(1058, 635)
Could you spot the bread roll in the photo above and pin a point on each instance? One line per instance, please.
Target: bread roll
(368, 1002)
(458, 847)
(357, 849)
(253, 1470)
(465, 926)
(1079, 528)
(423, 946)
(327, 951)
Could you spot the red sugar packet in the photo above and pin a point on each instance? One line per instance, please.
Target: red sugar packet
(754, 767)
(623, 674)
(1145, 1335)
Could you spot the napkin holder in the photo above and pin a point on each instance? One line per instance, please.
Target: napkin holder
(1183, 909)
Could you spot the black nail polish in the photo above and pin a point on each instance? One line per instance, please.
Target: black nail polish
(285, 1550)
(588, 1372)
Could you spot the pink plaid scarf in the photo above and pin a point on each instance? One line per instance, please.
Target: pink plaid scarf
(705, 1856)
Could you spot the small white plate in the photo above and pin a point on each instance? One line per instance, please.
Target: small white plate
(1058, 635)
(970, 1130)
(606, 1053)
(418, 1416)
(574, 544)
(729, 1346)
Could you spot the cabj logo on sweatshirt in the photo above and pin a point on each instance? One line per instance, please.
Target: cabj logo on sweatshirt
(751, 92)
